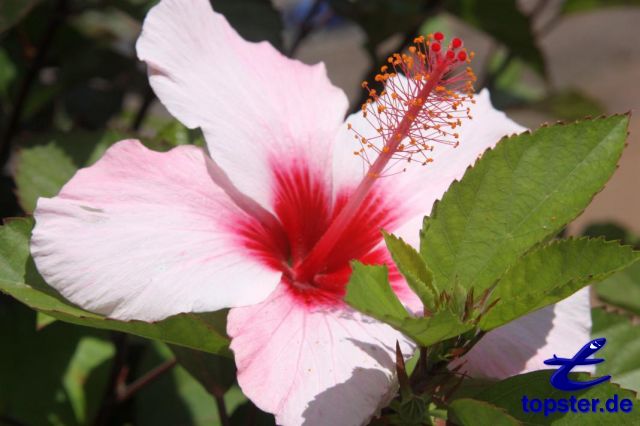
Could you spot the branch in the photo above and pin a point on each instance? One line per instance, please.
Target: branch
(147, 101)
(116, 377)
(128, 391)
(222, 411)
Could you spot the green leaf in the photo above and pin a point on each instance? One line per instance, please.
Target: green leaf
(622, 289)
(508, 394)
(12, 12)
(43, 168)
(517, 195)
(574, 6)
(19, 279)
(622, 351)
(471, 412)
(412, 267)
(551, 273)
(369, 292)
(504, 22)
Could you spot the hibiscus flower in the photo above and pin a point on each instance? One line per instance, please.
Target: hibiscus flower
(267, 219)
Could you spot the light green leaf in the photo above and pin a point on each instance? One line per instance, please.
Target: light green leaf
(517, 195)
(471, 412)
(43, 168)
(412, 267)
(622, 289)
(622, 351)
(508, 394)
(19, 279)
(504, 22)
(573, 6)
(369, 292)
(551, 273)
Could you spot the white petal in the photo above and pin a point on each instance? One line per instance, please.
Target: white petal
(313, 366)
(259, 110)
(522, 345)
(145, 235)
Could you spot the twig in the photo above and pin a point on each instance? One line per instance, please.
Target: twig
(222, 411)
(115, 378)
(305, 28)
(128, 391)
(13, 125)
(147, 101)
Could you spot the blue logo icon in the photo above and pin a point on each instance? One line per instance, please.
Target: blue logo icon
(560, 379)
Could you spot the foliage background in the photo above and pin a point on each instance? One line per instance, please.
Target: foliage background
(70, 85)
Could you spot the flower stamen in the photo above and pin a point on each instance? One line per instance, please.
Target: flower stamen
(409, 116)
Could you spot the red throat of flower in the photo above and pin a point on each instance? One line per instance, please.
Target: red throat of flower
(409, 116)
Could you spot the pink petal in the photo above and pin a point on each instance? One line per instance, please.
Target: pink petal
(313, 366)
(145, 235)
(260, 111)
(413, 192)
(523, 345)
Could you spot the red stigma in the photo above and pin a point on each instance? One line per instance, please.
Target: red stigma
(439, 36)
(435, 47)
(456, 43)
(462, 56)
(451, 55)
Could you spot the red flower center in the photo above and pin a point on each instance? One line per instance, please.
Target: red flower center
(315, 240)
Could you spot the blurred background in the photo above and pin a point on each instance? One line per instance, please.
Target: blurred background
(70, 85)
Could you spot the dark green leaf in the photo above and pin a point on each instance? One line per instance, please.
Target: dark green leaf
(622, 351)
(612, 231)
(471, 412)
(508, 395)
(622, 289)
(504, 22)
(518, 194)
(551, 273)
(569, 105)
(19, 279)
(12, 11)
(369, 292)
(573, 6)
